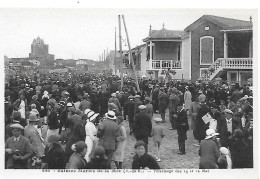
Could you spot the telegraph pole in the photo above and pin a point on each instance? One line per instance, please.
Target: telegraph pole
(130, 55)
(120, 52)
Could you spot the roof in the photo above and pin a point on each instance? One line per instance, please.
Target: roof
(165, 34)
(225, 23)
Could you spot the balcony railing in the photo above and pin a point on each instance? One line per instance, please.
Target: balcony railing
(228, 63)
(236, 63)
(166, 64)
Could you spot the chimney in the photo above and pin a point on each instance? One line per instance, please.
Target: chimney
(250, 18)
(150, 30)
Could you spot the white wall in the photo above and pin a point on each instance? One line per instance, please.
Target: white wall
(144, 64)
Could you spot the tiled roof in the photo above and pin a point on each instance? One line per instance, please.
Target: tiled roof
(225, 23)
(165, 34)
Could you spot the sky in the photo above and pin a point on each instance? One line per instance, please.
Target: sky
(87, 32)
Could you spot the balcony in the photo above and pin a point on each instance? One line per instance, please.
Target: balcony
(166, 64)
(236, 63)
(228, 64)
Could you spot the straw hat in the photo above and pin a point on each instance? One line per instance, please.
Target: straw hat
(142, 107)
(228, 111)
(110, 115)
(17, 126)
(210, 133)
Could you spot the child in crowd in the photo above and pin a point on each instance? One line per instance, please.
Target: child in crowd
(157, 134)
(224, 160)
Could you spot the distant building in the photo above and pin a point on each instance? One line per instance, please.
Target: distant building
(40, 52)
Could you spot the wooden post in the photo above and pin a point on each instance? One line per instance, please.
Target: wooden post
(130, 53)
(120, 52)
(115, 50)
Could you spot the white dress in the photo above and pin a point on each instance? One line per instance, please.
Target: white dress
(91, 138)
(22, 109)
(187, 99)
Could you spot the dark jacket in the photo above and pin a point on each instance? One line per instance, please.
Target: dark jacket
(98, 163)
(107, 133)
(163, 100)
(76, 162)
(224, 133)
(182, 124)
(130, 109)
(201, 125)
(54, 157)
(142, 125)
(238, 154)
(53, 122)
(144, 161)
(209, 154)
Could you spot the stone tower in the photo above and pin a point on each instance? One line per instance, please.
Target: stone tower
(40, 51)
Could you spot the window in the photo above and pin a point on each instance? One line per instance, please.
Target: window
(206, 50)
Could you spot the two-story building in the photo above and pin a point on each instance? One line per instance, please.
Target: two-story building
(221, 47)
(168, 50)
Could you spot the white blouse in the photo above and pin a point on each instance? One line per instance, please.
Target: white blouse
(91, 130)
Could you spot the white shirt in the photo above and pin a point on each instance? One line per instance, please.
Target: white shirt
(213, 124)
(91, 130)
(17, 139)
(229, 125)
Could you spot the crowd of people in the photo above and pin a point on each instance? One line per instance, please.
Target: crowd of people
(84, 117)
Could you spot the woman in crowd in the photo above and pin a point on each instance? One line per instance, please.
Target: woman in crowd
(77, 160)
(77, 134)
(118, 155)
(142, 160)
(99, 159)
(224, 161)
(238, 150)
(54, 157)
(209, 152)
(91, 132)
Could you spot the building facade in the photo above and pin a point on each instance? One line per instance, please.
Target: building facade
(168, 50)
(221, 47)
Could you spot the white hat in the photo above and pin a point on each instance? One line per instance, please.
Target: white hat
(228, 111)
(110, 115)
(224, 150)
(157, 119)
(142, 107)
(69, 105)
(117, 92)
(87, 111)
(113, 94)
(92, 115)
(66, 92)
(45, 93)
(243, 98)
(210, 133)
(137, 96)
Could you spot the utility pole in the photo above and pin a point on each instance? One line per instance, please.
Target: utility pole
(130, 55)
(120, 52)
(115, 51)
